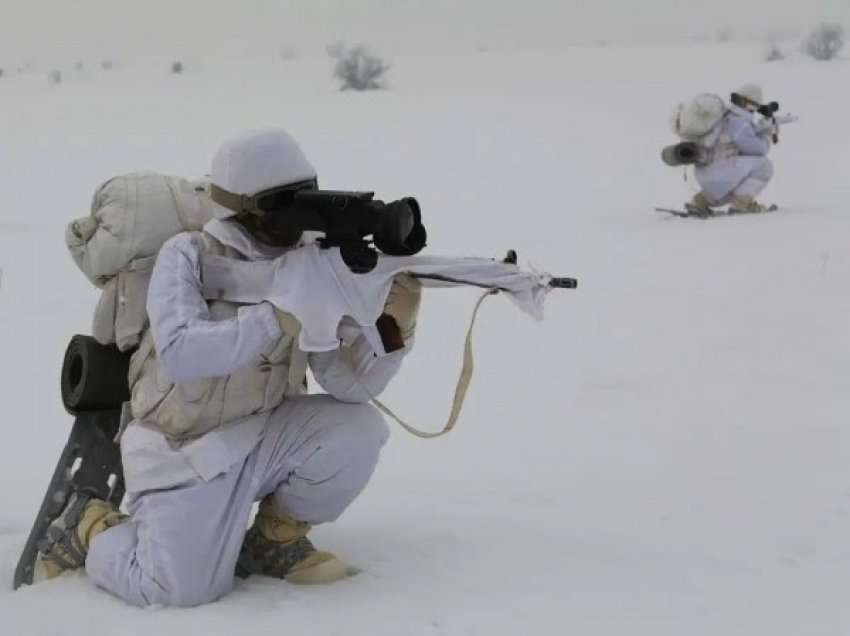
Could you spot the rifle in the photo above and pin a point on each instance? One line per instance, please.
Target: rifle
(772, 123)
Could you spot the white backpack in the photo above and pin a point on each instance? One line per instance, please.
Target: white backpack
(115, 246)
(697, 118)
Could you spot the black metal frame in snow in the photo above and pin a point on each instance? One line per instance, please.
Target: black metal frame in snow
(90, 463)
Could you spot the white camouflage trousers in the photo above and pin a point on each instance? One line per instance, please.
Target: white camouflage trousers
(741, 176)
(181, 544)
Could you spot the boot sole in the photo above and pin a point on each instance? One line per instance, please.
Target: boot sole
(42, 571)
(322, 573)
(39, 571)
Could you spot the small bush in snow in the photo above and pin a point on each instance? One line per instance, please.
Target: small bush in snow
(177, 67)
(1, 72)
(360, 70)
(106, 65)
(773, 53)
(54, 78)
(288, 54)
(825, 41)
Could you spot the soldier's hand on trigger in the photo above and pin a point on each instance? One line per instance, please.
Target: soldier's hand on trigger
(396, 325)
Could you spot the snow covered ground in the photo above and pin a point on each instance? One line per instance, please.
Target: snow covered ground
(666, 454)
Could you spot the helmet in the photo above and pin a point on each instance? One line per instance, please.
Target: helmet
(256, 161)
(752, 93)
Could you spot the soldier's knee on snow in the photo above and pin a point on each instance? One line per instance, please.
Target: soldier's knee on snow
(159, 581)
(186, 588)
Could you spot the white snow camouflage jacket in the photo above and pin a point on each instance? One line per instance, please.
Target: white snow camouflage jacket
(189, 421)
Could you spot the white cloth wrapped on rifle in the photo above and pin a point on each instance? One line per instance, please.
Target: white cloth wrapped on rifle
(317, 287)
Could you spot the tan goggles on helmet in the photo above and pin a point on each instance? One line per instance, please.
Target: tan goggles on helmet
(266, 201)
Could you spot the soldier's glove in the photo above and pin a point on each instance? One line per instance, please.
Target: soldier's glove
(398, 322)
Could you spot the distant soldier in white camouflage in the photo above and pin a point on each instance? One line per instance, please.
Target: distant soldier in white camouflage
(736, 168)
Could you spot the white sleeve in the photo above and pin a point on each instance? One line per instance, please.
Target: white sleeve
(750, 142)
(189, 344)
(353, 373)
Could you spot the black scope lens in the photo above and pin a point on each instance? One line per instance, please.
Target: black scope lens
(768, 110)
(400, 231)
(398, 222)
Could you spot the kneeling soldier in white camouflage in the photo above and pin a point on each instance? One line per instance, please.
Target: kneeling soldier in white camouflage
(222, 419)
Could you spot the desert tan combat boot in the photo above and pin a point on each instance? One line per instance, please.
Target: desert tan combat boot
(699, 205)
(68, 538)
(745, 205)
(277, 545)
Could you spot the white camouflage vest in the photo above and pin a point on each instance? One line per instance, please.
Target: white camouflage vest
(187, 410)
(723, 146)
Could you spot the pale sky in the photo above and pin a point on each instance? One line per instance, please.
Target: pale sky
(64, 29)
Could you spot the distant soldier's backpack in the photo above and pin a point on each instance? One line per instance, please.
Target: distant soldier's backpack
(696, 118)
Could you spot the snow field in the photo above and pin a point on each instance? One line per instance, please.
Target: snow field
(666, 454)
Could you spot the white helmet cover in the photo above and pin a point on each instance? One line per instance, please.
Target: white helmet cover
(752, 93)
(256, 161)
